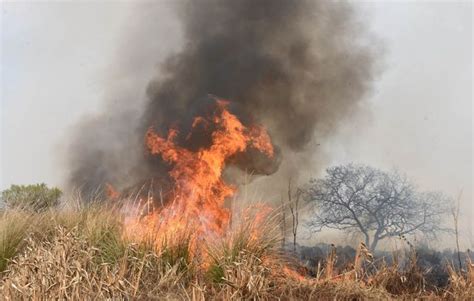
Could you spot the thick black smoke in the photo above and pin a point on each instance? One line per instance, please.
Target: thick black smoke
(297, 67)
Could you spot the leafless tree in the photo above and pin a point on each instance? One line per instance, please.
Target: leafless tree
(374, 203)
(283, 222)
(294, 198)
(455, 213)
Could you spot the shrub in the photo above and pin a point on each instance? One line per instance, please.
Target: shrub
(36, 197)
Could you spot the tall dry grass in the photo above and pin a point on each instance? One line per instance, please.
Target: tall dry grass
(80, 253)
(15, 225)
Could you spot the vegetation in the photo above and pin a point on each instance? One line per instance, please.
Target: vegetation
(81, 253)
(377, 204)
(36, 197)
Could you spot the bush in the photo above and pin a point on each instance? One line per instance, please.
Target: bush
(36, 197)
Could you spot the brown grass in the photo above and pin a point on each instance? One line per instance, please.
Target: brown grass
(81, 254)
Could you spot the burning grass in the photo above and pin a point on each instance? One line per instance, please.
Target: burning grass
(83, 253)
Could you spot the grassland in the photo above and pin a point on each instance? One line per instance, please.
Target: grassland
(81, 253)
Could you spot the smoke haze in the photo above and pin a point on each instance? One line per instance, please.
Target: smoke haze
(65, 60)
(298, 68)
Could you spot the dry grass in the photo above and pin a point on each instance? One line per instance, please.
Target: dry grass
(461, 285)
(67, 268)
(14, 226)
(81, 254)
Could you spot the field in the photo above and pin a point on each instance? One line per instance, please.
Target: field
(82, 253)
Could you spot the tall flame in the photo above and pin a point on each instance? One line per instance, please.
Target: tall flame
(199, 190)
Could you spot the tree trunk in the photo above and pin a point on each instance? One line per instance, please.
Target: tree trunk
(283, 223)
(294, 243)
(374, 243)
(294, 212)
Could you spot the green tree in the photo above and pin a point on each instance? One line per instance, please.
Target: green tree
(36, 197)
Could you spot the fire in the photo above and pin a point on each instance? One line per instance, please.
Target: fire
(199, 190)
(111, 192)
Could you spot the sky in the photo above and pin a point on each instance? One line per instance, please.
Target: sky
(60, 60)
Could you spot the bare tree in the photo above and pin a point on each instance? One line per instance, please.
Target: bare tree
(374, 203)
(455, 213)
(294, 209)
(283, 222)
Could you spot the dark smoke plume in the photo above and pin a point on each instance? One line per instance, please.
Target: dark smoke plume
(297, 67)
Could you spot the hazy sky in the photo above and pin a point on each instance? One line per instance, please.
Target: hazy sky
(60, 60)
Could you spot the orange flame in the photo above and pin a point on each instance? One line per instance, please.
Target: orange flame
(199, 190)
(111, 192)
